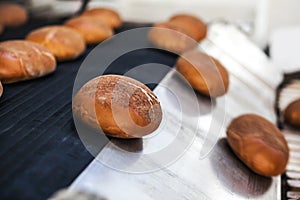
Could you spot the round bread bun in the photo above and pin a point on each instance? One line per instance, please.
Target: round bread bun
(13, 14)
(205, 74)
(92, 30)
(64, 42)
(292, 114)
(171, 37)
(195, 26)
(1, 89)
(259, 144)
(108, 16)
(122, 106)
(22, 60)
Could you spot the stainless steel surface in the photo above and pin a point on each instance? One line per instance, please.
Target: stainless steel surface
(293, 167)
(294, 195)
(295, 175)
(213, 172)
(294, 183)
(53, 8)
(287, 95)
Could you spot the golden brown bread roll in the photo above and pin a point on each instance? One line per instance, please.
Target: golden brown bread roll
(292, 113)
(122, 106)
(171, 37)
(92, 30)
(65, 43)
(204, 73)
(22, 60)
(1, 89)
(12, 14)
(195, 26)
(107, 15)
(259, 144)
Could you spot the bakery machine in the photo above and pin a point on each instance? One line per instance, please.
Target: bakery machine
(208, 168)
(41, 151)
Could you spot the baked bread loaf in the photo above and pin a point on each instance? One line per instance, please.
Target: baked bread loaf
(22, 60)
(195, 26)
(259, 144)
(65, 43)
(92, 30)
(205, 74)
(1, 89)
(292, 114)
(13, 14)
(121, 106)
(171, 37)
(108, 16)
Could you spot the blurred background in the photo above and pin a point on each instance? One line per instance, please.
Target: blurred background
(259, 18)
(271, 24)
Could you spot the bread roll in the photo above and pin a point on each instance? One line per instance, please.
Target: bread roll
(1, 89)
(195, 26)
(292, 113)
(171, 37)
(65, 43)
(92, 30)
(12, 14)
(122, 106)
(204, 73)
(108, 16)
(22, 60)
(259, 144)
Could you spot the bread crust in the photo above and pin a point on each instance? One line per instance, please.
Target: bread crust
(194, 25)
(92, 30)
(171, 37)
(23, 60)
(13, 14)
(121, 106)
(107, 15)
(259, 144)
(65, 43)
(205, 73)
(292, 114)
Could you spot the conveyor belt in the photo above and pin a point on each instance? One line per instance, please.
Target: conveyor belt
(40, 150)
(207, 169)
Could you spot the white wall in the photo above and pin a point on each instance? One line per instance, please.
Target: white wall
(265, 15)
(159, 10)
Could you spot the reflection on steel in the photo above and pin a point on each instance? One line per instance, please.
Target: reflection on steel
(289, 93)
(293, 167)
(293, 195)
(220, 174)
